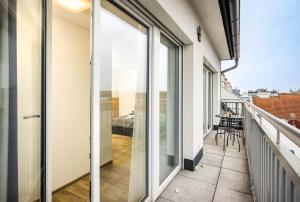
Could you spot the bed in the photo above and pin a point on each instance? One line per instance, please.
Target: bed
(123, 125)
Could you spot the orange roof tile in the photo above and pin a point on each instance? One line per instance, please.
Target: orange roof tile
(281, 105)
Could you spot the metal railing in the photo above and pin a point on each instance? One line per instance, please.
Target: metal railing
(274, 168)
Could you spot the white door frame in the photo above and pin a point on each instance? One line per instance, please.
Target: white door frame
(95, 101)
(156, 187)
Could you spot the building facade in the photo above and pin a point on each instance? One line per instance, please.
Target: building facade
(108, 99)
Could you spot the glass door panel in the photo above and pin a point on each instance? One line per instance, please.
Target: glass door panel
(168, 108)
(205, 101)
(20, 100)
(123, 106)
(209, 100)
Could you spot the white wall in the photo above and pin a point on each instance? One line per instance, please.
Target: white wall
(71, 102)
(180, 17)
(226, 94)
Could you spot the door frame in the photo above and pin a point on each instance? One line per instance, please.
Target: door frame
(137, 11)
(131, 11)
(157, 188)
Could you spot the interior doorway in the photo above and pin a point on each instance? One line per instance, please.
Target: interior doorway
(70, 101)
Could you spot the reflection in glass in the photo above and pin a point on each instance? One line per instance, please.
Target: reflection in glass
(204, 101)
(168, 88)
(123, 97)
(20, 100)
(210, 97)
(207, 100)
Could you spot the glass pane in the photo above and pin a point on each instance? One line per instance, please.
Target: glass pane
(204, 101)
(209, 100)
(168, 99)
(20, 100)
(4, 98)
(123, 106)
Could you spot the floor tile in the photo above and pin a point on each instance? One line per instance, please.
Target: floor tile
(235, 153)
(160, 199)
(236, 164)
(213, 149)
(203, 173)
(227, 195)
(188, 190)
(234, 180)
(228, 171)
(234, 144)
(212, 159)
(210, 139)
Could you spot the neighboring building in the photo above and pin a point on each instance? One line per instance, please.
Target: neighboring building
(285, 106)
(263, 93)
(246, 97)
(236, 91)
(111, 101)
(225, 83)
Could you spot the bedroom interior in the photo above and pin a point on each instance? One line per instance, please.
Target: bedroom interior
(122, 104)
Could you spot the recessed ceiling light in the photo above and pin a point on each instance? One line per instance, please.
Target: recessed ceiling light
(75, 6)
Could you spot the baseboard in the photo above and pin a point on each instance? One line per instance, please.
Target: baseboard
(77, 179)
(107, 162)
(69, 183)
(191, 164)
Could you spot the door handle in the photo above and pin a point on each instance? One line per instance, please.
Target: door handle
(32, 116)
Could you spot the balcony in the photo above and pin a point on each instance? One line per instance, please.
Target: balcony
(266, 169)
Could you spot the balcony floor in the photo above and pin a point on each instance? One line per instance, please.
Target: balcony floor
(220, 176)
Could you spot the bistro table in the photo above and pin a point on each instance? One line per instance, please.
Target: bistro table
(232, 124)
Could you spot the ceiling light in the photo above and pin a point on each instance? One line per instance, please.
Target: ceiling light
(75, 6)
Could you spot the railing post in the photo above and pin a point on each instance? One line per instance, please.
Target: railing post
(260, 119)
(278, 137)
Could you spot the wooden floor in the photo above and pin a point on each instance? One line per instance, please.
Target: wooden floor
(114, 177)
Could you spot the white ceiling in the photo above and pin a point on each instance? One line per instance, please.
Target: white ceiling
(81, 19)
(211, 18)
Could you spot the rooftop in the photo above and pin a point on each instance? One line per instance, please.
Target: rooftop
(281, 106)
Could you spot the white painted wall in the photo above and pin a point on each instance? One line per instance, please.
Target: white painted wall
(226, 94)
(70, 102)
(184, 25)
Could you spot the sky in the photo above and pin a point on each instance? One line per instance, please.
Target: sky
(270, 46)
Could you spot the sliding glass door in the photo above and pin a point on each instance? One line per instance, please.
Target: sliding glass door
(168, 108)
(21, 97)
(123, 106)
(207, 100)
(210, 101)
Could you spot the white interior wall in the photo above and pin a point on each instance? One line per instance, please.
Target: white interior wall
(70, 102)
(124, 80)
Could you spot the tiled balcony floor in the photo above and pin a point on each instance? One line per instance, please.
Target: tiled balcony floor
(220, 176)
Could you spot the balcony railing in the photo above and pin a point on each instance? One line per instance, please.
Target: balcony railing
(273, 149)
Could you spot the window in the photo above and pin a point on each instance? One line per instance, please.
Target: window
(20, 100)
(123, 106)
(168, 104)
(207, 100)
